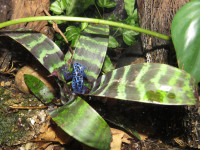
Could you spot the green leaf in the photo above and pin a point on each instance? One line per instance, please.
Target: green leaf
(129, 36)
(186, 36)
(83, 123)
(76, 7)
(112, 42)
(149, 83)
(133, 20)
(130, 20)
(91, 50)
(106, 3)
(129, 6)
(73, 34)
(72, 7)
(63, 4)
(42, 48)
(107, 65)
(84, 25)
(38, 88)
(56, 7)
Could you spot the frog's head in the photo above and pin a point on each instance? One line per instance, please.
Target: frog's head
(78, 66)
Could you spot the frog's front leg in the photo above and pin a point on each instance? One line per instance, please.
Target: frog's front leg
(66, 74)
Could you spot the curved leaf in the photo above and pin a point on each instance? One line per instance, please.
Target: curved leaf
(107, 65)
(149, 83)
(42, 48)
(38, 88)
(129, 36)
(186, 36)
(73, 34)
(91, 49)
(72, 7)
(106, 3)
(56, 7)
(129, 6)
(112, 42)
(83, 123)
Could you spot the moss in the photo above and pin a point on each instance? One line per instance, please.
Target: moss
(11, 129)
(14, 124)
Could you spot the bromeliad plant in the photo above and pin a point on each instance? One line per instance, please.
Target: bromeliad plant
(149, 83)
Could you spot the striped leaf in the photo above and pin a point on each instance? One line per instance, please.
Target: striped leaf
(150, 83)
(91, 49)
(83, 123)
(38, 88)
(42, 48)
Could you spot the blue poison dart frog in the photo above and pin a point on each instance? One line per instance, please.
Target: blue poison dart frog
(77, 78)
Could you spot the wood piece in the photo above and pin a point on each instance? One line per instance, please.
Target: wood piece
(15, 9)
(157, 15)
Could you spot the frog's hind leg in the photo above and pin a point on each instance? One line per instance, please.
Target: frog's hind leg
(66, 74)
(84, 75)
(84, 89)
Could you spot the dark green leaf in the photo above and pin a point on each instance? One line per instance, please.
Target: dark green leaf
(76, 7)
(56, 7)
(129, 36)
(83, 123)
(133, 20)
(38, 88)
(129, 6)
(84, 25)
(73, 34)
(130, 20)
(149, 83)
(63, 4)
(72, 7)
(186, 36)
(112, 42)
(42, 48)
(107, 65)
(106, 3)
(91, 50)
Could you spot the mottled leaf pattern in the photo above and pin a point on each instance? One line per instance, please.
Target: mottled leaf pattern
(91, 49)
(83, 123)
(150, 83)
(38, 88)
(42, 48)
(70, 7)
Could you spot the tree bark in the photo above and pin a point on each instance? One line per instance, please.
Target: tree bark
(157, 15)
(15, 9)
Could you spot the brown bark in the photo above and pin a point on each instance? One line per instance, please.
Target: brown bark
(157, 15)
(15, 9)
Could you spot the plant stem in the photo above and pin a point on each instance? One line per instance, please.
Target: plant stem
(82, 19)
